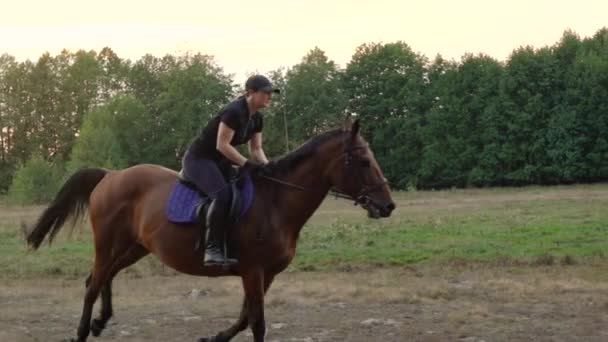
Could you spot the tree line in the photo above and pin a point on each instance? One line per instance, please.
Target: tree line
(539, 117)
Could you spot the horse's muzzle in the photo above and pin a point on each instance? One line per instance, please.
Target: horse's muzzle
(387, 209)
(377, 210)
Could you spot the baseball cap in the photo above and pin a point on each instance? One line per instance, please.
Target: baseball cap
(260, 83)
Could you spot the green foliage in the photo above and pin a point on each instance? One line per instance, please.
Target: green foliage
(128, 131)
(113, 76)
(36, 182)
(192, 90)
(130, 124)
(386, 80)
(276, 134)
(6, 175)
(15, 112)
(97, 144)
(313, 96)
(386, 88)
(540, 117)
(455, 133)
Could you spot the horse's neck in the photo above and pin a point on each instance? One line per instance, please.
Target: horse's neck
(297, 206)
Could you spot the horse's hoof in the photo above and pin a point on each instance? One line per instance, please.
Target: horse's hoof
(206, 339)
(96, 327)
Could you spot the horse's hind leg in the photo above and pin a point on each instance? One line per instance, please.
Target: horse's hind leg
(229, 333)
(98, 324)
(95, 281)
(111, 256)
(133, 254)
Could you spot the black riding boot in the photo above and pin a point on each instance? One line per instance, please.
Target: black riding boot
(216, 220)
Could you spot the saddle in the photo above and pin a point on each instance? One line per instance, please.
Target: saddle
(188, 205)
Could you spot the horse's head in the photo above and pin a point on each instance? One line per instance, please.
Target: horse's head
(360, 176)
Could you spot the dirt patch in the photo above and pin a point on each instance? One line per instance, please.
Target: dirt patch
(426, 303)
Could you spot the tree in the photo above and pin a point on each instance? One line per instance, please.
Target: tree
(313, 96)
(386, 85)
(36, 182)
(144, 80)
(79, 81)
(454, 135)
(18, 122)
(275, 118)
(386, 80)
(577, 143)
(529, 93)
(131, 125)
(192, 92)
(7, 118)
(44, 123)
(97, 144)
(114, 75)
(189, 90)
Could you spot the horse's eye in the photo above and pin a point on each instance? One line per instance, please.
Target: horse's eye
(365, 163)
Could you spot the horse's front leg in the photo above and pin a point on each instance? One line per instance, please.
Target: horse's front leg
(241, 323)
(253, 283)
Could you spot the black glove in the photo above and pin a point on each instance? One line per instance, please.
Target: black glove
(256, 169)
(250, 167)
(265, 170)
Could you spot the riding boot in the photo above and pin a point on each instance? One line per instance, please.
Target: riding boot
(215, 237)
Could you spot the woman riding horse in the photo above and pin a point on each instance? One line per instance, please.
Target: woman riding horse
(127, 216)
(209, 158)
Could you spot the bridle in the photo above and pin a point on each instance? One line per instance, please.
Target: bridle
(355, 164)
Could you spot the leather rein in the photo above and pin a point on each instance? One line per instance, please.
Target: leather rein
(350, 161)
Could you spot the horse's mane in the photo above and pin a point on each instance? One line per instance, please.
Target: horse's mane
(292, 159)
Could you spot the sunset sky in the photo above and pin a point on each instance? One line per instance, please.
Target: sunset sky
(247, 36)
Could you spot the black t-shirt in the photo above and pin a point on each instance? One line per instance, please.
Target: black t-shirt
(236, 116)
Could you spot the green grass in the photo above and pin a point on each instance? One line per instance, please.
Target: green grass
(67, 258)
(534, 225)
(449, 241)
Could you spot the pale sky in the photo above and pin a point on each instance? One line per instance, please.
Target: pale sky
(262, 35)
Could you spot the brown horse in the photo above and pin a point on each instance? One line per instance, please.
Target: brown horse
(126, 209)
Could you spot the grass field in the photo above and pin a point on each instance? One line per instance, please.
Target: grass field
(513, 226)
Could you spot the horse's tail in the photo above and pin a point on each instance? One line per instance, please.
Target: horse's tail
(71, 201)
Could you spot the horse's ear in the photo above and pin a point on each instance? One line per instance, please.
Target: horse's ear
(348, 122)
(355, 129)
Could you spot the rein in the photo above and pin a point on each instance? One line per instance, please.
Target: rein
(362, 198)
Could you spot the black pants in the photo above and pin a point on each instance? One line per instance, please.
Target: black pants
(206, 174)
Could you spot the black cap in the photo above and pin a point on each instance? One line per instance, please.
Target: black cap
(260, 83)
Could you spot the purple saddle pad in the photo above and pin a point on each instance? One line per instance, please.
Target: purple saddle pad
(183, 201)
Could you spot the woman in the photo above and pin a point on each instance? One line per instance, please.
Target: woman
(210, 156)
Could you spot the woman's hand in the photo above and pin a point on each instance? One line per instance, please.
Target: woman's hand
(255, 168)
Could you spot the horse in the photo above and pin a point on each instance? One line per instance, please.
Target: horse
(126, 214)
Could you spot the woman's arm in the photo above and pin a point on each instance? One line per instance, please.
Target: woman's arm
(224, 136)
(255, 149)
